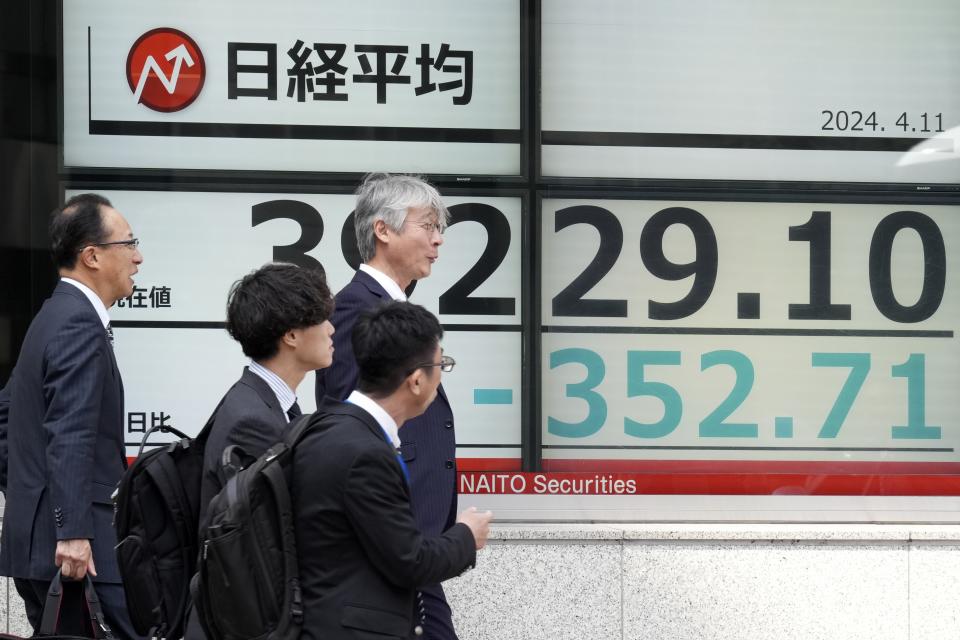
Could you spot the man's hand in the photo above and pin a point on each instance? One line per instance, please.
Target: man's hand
(75, 558)
(479, 524)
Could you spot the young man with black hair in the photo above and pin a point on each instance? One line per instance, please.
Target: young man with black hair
(361, 553)
(280, 316)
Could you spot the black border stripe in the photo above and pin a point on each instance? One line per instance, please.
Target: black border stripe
(483, 327)
(301, 132)
(721, 141)
(747, 331)
(733, 448)
(488, 446)
(668, 448)
(196, 324)
(165, 324)
(160, 443)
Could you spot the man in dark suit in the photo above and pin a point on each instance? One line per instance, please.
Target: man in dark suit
(399, 221)
(279, 315)
(62, 422)
(361, 553)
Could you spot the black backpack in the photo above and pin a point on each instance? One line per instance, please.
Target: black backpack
(156, 518)
(248, 581)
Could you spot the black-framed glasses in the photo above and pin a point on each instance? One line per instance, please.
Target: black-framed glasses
(133, 243)
(446, 364)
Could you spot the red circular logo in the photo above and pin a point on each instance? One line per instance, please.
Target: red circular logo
(165, 69)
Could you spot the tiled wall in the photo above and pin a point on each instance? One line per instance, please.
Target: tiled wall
(730, 582)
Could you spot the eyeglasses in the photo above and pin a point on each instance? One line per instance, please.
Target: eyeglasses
(446, 365)
(430, 227)
(132, 243)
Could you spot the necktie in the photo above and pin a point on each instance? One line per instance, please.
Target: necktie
(400, 461)
(294, 411)
(403, 467)
(110, 333)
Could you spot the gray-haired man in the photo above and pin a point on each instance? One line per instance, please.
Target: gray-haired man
(399, 221)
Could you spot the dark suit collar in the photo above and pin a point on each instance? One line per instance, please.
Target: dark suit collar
(442, 394)
(65, 288)
(75, 292)
(258, 384)
(329, 406)
(368, 281)
(371, 284)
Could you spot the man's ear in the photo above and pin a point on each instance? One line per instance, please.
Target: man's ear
(414, 382)
(380, 230)
(290, 338)
(88, 257)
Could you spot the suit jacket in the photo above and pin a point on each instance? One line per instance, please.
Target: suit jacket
(360, 552)
(250, 416)
(61, 440)
(428, 442)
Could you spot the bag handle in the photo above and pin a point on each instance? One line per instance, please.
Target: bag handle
(233, 460)
(161, 429)
(200, 439)
(50, 622)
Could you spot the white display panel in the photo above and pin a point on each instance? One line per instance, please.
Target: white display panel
(761, 332)
(177, 360)
(732, 90)
(430, 87)
(176, 376)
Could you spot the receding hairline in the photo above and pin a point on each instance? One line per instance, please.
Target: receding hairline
(108, 212)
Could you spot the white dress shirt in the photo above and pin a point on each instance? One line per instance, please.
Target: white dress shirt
(383, 418)
(389, 284)
(285, 395)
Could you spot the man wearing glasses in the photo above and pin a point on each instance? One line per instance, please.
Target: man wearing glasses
(360, 552)
(399, 221)
(61, 423)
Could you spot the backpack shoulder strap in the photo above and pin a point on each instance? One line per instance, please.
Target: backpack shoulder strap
(274, 474)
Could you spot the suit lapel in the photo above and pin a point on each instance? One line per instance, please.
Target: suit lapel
(263, 390)
(82, 302)
(371, 285)
(335, 407)
(442, 394)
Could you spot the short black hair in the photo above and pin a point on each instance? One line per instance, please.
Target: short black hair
(276, 298)
(389, 342)
(75, 225)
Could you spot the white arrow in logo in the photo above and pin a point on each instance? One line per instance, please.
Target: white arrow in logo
(179, 55)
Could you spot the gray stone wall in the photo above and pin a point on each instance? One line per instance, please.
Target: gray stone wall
(703, 582)
(697, 582)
